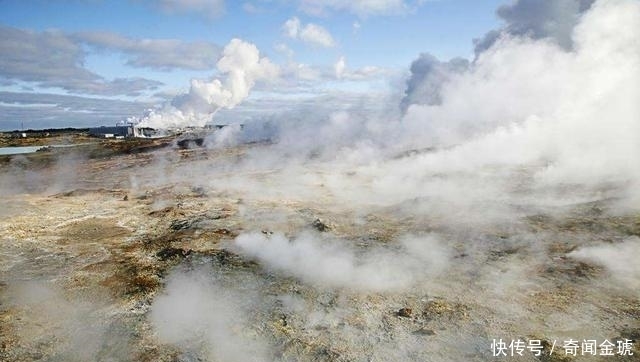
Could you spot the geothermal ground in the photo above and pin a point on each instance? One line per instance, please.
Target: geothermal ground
(130, 253)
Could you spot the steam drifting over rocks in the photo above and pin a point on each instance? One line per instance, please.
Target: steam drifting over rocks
(503, 203)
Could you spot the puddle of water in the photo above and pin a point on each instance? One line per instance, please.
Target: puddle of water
(19, 150)
(30, 149)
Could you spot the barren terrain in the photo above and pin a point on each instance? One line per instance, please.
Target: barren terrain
(162, 256)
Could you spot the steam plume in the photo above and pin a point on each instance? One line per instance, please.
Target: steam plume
(242, 67)
(619, 259)
(538, 19)
(201, 315)
(534, 19)
(328, 263)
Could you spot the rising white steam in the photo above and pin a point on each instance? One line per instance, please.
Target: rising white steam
(241, 66)
(83, 329)
(518, 130)
(206, 318)
(621, 260)
(332, 264)
(530, 102)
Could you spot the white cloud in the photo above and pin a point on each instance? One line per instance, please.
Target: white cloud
(369, 71)
(339, 67)
(284, 49)
(207, 8)
(356, 26)
(341, 71)
(309, 33)
(291, 27)
(31, 61)
(163, 54)
(363, 8)
(316, 34)
(250, 8)
(359, 7)
(294, 72)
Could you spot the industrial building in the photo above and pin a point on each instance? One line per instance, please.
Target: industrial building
(122, 131)
(112, 131)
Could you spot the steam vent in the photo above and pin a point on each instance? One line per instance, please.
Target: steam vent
(320, 181)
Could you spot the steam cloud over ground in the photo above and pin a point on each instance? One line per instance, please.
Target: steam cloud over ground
(531, 125)
(500, 198)
(541, 120)
(332, 265)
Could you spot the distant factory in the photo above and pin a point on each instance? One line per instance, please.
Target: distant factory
(122, 131)
(131, 130)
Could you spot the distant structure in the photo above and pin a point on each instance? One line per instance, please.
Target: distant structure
(122, 131)
(217, 126)
(144, 132)
(130, 130)
(112, 131)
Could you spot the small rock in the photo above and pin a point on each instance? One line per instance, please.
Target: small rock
(45, 149)
(199, 191)
(162, 211)
(424, 332)
(405, 312)
(319, 225)
(125, 198)
(177, 225)
(168, 253)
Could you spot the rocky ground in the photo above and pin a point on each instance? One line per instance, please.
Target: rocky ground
(105, 258)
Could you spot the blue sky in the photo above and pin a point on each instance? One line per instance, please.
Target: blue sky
(148, 50)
